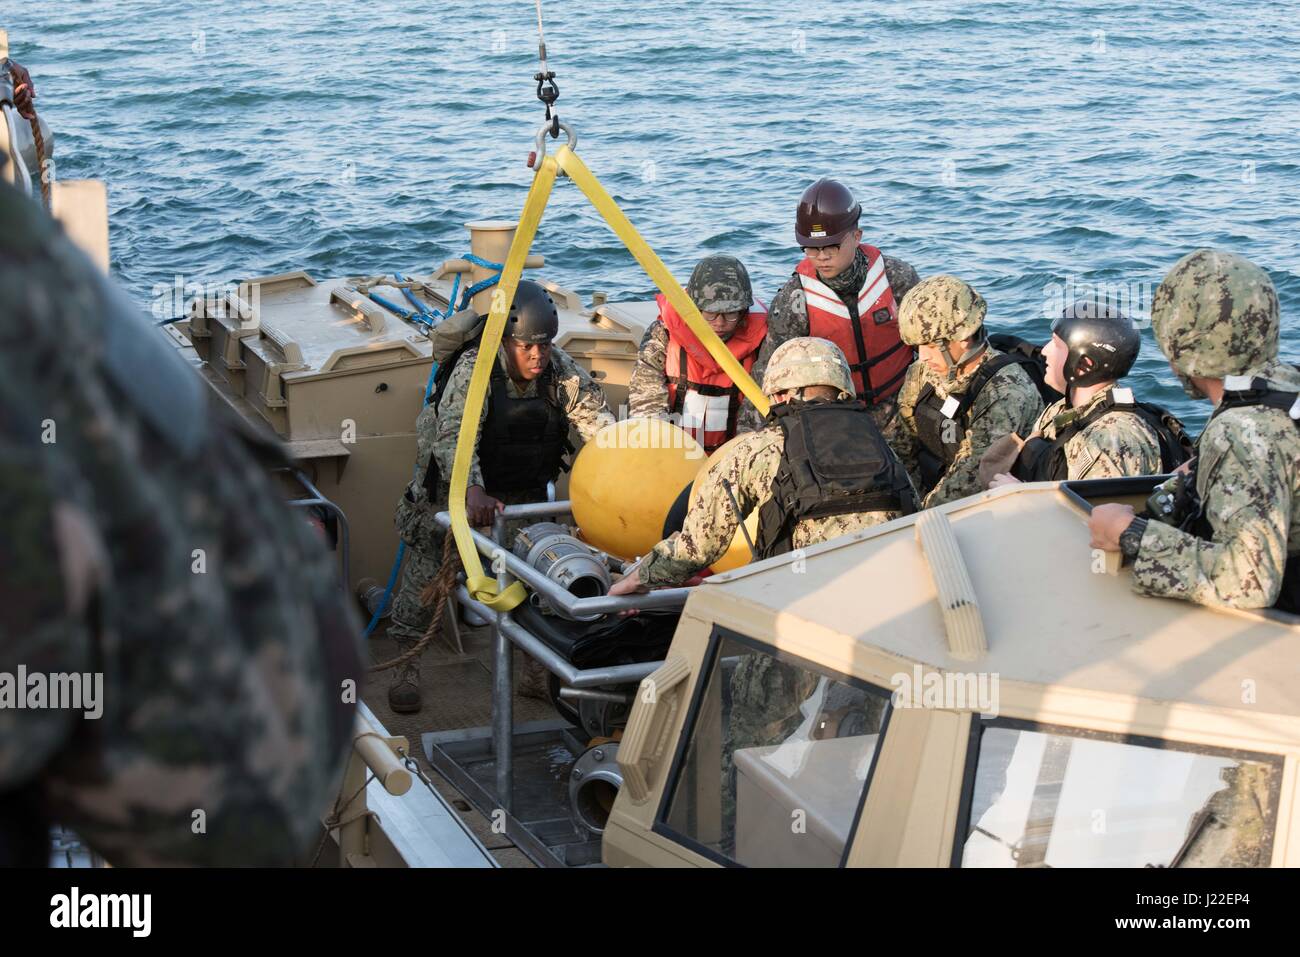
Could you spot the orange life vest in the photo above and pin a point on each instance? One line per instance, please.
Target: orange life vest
(699, 391)
(866, 331)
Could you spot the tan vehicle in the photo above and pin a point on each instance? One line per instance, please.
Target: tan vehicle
(966, 687)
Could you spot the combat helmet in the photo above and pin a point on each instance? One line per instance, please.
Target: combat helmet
(533, 317)
(826, 213)
(1215, 315)
(1101, 342)
(942, 309)
(720, 284)
(807, 361)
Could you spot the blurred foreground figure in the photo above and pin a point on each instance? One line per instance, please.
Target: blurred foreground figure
(177, 660)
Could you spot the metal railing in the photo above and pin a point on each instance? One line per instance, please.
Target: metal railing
(316, 498)
(505, 631)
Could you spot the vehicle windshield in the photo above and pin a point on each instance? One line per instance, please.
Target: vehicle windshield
(1059, 798)
(777, 761)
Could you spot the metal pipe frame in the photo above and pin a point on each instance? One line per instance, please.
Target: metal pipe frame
(672, 598)
(592, 694)
(505, 631)
(316, 498)
(571, 676)
(502, 688)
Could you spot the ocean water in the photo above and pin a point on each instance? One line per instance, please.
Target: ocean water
(1031, 149)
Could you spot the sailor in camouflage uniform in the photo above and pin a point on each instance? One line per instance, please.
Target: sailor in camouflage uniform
(807, 380)
(1113, 446)
(1236, 542)
(846, 291)
(1097, 429)
(676, 377)
(960, 395)
(141, 538)
(537, 392)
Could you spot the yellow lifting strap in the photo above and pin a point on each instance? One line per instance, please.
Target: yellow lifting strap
(656, 270)
(483, 588)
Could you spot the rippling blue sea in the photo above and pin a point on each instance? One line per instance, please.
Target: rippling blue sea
(1017, 145)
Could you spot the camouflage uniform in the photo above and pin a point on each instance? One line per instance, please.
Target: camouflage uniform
(940, 310)
(788, 319)
(647, 389)
(1008, 403)
(437, 430)
(1217, 315)
(1116, 445)
(141, 538)
(711, 522)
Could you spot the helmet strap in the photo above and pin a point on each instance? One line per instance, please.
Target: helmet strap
(974, 352)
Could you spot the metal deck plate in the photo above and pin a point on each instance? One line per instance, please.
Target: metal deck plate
(539, 821)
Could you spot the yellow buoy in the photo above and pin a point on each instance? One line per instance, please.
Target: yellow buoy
(626, 479)
(738, 553)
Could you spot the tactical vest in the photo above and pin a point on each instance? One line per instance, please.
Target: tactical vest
(865, 329)
(523, 441)
(1044, 460)
(834, 462)
(941, 424)
(700, 393)
(1016, 346)
(1256, 392)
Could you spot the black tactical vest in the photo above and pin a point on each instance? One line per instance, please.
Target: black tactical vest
(835, 461)
(523, 441)
(941, 434)
(1198, 524)
(1044, 460)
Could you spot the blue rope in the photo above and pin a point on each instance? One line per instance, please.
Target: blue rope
(415, 300)
(395, 308)
(388, 590)
(426, 315)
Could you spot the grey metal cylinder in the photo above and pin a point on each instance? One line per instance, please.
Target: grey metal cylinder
(594, 783)
(570, 563)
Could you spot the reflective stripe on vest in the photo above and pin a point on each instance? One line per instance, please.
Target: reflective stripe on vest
(870, 328)
(709, 402)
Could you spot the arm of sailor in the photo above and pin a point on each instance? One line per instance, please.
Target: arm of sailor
(1115, 446)
(1247, 482)
(1008, 403)
(903, 439)
(711, 521)
(583, 400)
(24, 90)
(902, 277)
(647, 389)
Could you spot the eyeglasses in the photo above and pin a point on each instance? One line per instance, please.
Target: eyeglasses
(726, 318)
(817, 252)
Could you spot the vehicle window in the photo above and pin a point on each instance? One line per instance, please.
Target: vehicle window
(776, 762)
(1052, 798)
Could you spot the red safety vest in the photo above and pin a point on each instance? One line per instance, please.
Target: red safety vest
(699, 391)
(868, 334)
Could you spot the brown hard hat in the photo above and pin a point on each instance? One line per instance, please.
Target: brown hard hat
(826, 212)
